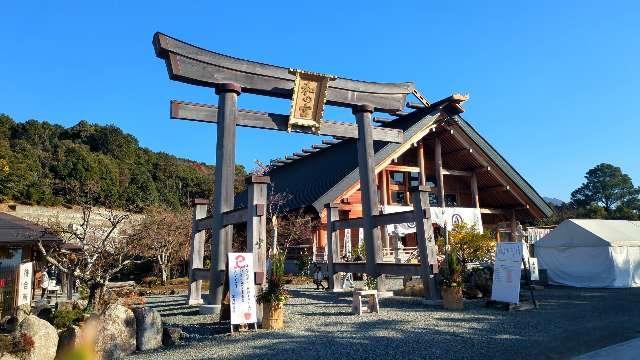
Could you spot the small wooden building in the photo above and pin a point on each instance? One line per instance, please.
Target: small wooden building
(470, 181)
(18, 244)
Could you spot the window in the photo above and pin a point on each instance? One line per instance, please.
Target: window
(451, 200)
(396, 178)
(398, 197)
(414, 179)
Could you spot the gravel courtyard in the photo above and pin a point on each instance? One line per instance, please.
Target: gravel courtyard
(319, 325)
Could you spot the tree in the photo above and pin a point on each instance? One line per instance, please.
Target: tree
(606, 186)
(163, 234)
(470, 244)
(92, 252)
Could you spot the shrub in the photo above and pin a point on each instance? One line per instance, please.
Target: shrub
(469, 244)
(18, 344)
(275, 292)
(65, 317)
(151, 281)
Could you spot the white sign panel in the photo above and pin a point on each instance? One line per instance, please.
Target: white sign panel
(25, 279)
(533, 269)
(242, 289)
(506, 272)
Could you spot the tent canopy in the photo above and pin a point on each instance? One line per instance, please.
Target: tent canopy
(592, 232)
(592, 253)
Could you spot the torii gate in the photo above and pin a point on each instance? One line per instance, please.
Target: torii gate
(230, 77)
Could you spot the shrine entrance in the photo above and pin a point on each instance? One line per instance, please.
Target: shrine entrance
(309, 92)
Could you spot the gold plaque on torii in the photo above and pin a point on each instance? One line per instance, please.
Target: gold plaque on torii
(309, 96)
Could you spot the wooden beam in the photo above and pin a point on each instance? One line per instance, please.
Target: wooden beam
(394, 218)
(200, 274)
(309, 151)
(292, 157)
(380, 120)
(460, 152)
(235, 216)
(456, 172)
(402, 168)
(416, 106)
(496, 188)
(262, 120)
(495, 211)
(473, 183)
(333, 251)
(439, 174)
(422, 163)
(193, 65)
(319, 146)
(330, 142)
(342, 224)
(203, 223)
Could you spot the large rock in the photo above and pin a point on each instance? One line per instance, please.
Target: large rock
(171, 335)
(148, 328)
(23, 311)
(68, 338)
(115, 332)
(44, 335)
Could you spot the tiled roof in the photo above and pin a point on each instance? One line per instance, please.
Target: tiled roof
(14, 230)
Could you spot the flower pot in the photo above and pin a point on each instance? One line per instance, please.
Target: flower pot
(452, 298)
(272, 316)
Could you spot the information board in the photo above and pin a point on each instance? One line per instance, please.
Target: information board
(506, 272)
(25, 279)
(242, 289)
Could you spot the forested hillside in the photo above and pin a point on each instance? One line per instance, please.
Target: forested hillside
(47, 164)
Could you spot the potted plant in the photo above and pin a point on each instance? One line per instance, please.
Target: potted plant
(451, 283)
(275, 296)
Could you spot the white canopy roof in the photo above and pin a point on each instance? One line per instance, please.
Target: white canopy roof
(593, 233)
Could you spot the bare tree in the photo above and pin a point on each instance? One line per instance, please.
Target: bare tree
(163, 234)
(90, 252)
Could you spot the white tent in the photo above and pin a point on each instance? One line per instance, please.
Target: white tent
(592, 253)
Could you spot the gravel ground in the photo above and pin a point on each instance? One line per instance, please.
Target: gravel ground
(319, 325)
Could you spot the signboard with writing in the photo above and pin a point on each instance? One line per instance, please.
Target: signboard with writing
(242, 289)
(25, 279)
(309, 96)
(506, 272)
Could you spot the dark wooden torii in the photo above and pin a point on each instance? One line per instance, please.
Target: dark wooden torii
(230, 77)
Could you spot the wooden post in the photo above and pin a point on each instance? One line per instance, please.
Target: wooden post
(439, 176)
(421, 163)
(382, 185)
(424, 235)
(257, 229)
(196, 251)
(367, 187)
(332, 249)
(474, 191)
(223, 199)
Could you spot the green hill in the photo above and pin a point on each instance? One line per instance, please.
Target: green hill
(48, 164)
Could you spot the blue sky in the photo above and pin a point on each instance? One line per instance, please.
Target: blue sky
(553, 84)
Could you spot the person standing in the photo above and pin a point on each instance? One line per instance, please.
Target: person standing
(44, 282)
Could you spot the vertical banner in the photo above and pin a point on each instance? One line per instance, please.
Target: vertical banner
(242, 289)
(25, 280)
(533, 269)
(506, 272)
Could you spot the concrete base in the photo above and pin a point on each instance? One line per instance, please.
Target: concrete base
(384, 294)
(195, 302)
(432, 302)
(206, 309)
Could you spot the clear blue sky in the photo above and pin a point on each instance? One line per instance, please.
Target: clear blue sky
(553, 84)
